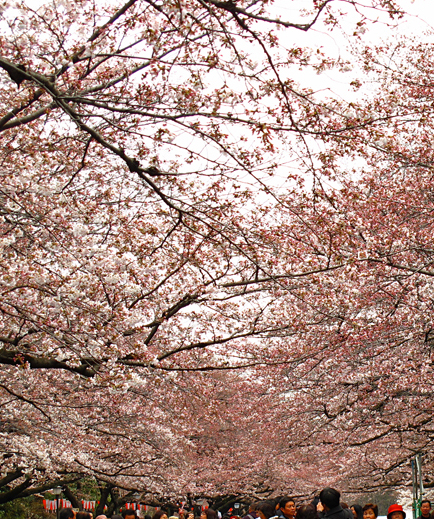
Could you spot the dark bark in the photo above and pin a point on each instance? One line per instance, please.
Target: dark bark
(15, 492)
(105, 489)
(71, 497)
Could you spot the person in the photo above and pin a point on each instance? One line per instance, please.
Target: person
(370, 511)
(130, 514)
(357, 511)
(347, 510)
(251, 514)
(425, 509)
(315, 501)
(83, 515)
(101, 517)
(276, 502)
(66, 513)
(209, 513)
(287, 508)
(329, 506)
(265, 510)
(396, 512)
(160, 514)
(307, 512)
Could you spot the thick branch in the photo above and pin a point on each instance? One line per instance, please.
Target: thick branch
(232, 8)
(15, 492)
(18, 358)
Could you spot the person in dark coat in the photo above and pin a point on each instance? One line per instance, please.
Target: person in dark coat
(265, 510)
(329, 506)
(307, 512)
(287, 508)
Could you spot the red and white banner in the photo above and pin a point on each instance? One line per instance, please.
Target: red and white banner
(136, 506)
(88, 505)
(51, 506)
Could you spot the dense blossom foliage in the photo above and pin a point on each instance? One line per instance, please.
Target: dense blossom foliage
(198, 293)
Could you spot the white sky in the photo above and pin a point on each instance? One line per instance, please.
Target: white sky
(418, 22)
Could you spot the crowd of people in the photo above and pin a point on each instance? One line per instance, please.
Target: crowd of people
(327, 505)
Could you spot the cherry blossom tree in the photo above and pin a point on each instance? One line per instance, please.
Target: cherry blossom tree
(368, 383)
(187, 271)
